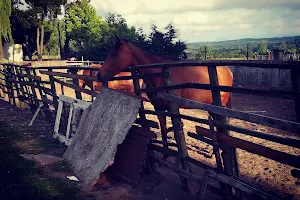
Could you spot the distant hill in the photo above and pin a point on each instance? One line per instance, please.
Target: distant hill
(242, 43)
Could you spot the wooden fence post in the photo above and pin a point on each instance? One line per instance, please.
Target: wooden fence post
(34, 102)
(178, 130)
(229, 154)
(295, 76)
(21, 91)
(75, 82)
(10, 85)
(53, 89)
(137, 88)
(13, 83)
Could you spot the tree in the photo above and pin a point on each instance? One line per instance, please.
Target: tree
(283, 46)
(84, 29)
(44, 10)
(263, 47)
(164, 44)
(204, 52)
(23, 25)
(5, 29)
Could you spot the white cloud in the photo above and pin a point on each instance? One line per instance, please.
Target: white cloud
(202, 20)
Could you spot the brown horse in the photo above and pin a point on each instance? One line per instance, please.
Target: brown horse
(86, 72)
(125, 54)
(120, 85)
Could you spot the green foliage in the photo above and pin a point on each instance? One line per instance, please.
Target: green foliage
(263, 47)
(5, 12)
(51, 37)
(83, 27)
(24, 25)
(164, 44)
(227, 49)
(204, 52)
(84, 33)
(45, 8)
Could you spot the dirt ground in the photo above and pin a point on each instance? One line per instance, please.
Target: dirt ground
(261, 171)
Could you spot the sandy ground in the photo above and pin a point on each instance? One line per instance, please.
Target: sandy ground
(255, 169)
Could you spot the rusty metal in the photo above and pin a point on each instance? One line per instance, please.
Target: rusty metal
(130, 155)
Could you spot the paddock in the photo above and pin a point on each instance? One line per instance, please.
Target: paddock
(256, 170)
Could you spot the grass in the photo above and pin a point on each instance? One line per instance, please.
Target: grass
(23, 179)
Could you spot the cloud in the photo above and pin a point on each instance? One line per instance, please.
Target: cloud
(202, 20)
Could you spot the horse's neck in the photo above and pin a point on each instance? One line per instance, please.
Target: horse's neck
(143, 57)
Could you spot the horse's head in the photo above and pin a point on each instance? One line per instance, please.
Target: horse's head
(119, 59)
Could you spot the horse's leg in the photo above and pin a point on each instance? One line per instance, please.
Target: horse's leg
(164, 135)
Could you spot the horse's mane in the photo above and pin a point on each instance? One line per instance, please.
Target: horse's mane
(150, 52)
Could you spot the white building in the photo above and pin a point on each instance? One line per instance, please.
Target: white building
(13, 52)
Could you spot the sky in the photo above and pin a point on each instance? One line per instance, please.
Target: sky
(210, 20)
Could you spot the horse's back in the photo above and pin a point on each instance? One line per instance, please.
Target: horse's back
(200, 75)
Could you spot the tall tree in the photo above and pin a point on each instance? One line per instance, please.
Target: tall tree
(84, 29)
(204, 52)
(263, 47)
(164, 43)
(44, 10)
(24, 26)
(5, 29)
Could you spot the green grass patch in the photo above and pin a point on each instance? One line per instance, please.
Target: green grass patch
(22, 179)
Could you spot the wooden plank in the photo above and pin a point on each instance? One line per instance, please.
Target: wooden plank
(154, 141)
(151, 123)
(76, 83)
(281, 140)
(44, 89)
(57, 119)
(228, 153)
(248, 63)
(136, 84)
(170, 114)
(17, 85)
(295, 76)
(248, 91)
(94, 78)
(178, 131)
(92, 93)
(69, 121)
(53, 89)
(109, 127)
(200, 137)
(241, 185)
(182, 173)
(130, 154)
(235, 182)
(210, 63)
(278, 156)
(255, 118)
